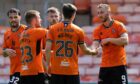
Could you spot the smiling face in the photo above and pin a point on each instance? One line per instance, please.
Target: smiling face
(14, 20)
(53, 17)
(103, 12)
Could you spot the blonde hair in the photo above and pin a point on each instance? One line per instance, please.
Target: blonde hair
(105, 7)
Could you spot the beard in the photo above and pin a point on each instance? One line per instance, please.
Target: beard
(14, 24)
(53, 22)
(105, 19)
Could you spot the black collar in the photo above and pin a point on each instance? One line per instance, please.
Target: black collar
(110, 24)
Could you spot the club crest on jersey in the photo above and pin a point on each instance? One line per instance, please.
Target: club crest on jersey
(113, 30)
(101, 33)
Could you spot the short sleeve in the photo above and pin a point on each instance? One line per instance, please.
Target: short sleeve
(95, 34)
(40, 33)
(81, 37)
(4, 42)
(121, 29)
(50, 35)
(44, 40)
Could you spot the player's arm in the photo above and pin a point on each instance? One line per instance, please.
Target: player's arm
(48, 51)
(7, 51)
(96, 44)
(87, 50)
(122, 40)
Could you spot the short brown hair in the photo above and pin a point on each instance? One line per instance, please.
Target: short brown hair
(13, 10)
(53, 10)
(68, 10)
(29, 15)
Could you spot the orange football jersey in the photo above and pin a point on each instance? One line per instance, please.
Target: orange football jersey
(31, 47)
(11, 40)
(65, 38)
(113, 55)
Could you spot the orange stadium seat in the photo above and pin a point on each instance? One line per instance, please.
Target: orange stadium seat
(120, 18)
(137, 79)
(114, 8)
(93, 9)
(83, 6)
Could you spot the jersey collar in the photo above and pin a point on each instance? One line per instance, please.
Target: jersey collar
(110, 24)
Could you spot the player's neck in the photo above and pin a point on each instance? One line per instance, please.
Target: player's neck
(67, 20)
(31, 26)
(14, 29)
(107, 23)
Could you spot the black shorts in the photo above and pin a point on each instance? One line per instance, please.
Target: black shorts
(15, 78)
(34, 79)
(64, 79)
(113, 75)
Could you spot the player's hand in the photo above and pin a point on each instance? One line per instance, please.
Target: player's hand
(94, 51)
(105, 41)
(48, 71)
(44, 52)
(9, 52)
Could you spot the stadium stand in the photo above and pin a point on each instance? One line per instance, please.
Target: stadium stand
(127, 11)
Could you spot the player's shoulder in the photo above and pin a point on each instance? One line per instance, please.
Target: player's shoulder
(118, 23)
(39, 29)
(55, 26)
(77, 28)
(7, 31)
(23, 26)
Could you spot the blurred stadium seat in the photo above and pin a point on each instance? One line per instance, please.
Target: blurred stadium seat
(132, 1)
(115, 1)
(83, 6)
(126, 11)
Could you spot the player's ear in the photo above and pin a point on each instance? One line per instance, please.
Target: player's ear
(20, 17)
(61, 17)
